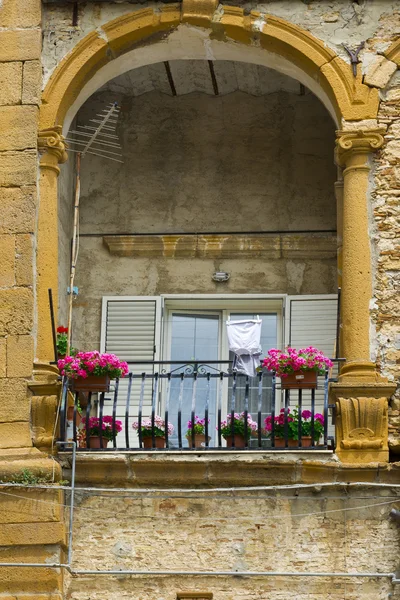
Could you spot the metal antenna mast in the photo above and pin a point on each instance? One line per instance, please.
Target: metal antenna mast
(100, 139)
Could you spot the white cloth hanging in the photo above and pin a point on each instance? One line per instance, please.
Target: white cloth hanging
(244, 338)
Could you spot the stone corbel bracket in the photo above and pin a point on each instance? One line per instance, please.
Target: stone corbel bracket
(46, 391)
(52, 146)
(362, 421)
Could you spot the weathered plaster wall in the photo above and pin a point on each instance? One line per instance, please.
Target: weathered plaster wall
(336, 22)
(309, 530)
(191, 164)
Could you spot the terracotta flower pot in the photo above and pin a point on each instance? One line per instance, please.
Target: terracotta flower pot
(70, 415)
(306, 442)
(94, 442)
(240, 441)
(300, 380)
(199, 440)
(92, 383)
(159, 442)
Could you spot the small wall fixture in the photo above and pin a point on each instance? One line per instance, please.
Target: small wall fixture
(221, 276)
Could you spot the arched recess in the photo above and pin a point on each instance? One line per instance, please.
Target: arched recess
(119, 45)
(289, 48)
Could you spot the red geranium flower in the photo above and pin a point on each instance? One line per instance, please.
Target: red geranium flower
(62, 329)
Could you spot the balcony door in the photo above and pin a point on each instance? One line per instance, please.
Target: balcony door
(195, 341)
(198, 339)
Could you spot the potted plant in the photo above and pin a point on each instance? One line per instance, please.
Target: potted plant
(62, 341)
(70, 413)
(293, 428)
(108, 433)
(198, 438)
(297, 369)
(146, 431)
(238, 429)
(92, 371)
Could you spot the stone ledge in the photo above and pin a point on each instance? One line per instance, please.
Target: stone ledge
(225, 245)
(201, 469)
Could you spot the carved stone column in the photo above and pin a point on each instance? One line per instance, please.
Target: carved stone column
(361, 396)
(53, 149)
(353, 151)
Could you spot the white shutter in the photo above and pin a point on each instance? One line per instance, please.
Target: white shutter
(312, 321)
(131, 329)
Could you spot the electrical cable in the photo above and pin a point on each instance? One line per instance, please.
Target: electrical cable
(164, 517)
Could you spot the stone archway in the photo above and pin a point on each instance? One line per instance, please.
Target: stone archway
(290, 47)
(262, 39)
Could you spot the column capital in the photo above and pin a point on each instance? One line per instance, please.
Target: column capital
(52, 146)
(356, 142)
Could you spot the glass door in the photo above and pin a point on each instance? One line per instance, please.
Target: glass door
(194, 341)
(269, 335)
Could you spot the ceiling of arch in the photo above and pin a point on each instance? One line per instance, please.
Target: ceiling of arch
(180, 77)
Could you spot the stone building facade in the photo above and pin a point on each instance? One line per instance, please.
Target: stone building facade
(206, 176)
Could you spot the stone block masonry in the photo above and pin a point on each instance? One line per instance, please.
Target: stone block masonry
(32, 525)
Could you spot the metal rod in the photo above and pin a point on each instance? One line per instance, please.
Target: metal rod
(141, 398)
(246, 412)
(193, 409)
(88, 409)
(180, 398)
(74, 247)
(128, 400)
(259, 408)
(101, 419)
(167, 410)
(53, 325)
(183, 233)
(206, 409)
(114, 412)
(232, 573)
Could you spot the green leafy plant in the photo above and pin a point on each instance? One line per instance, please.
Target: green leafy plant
(293, 424)
(28, 477)
(238, 425)
(62, 342)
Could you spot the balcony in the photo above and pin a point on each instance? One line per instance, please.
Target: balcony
(179, 393)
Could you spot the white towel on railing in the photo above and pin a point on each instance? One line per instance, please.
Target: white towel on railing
(244, 339)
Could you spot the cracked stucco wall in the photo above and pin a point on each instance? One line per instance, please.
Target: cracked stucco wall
(335, 22)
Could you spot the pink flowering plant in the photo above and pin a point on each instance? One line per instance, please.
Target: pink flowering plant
(159, 427)
(293, 424)
(106, 427)
(305, 359)
(238, 425)
(198, 426)
(84, 364)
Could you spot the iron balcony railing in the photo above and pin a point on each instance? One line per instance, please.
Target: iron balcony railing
(178, 392)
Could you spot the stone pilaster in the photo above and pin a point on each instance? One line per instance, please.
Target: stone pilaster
(353, 149)
(361, 396)
(53, 149)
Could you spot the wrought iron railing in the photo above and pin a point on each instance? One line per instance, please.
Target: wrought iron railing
(179, 391)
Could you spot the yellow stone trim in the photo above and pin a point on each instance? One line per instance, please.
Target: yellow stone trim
(53, 147)
(359, 141)
(351, 99)
(393, 52)
(198, 12)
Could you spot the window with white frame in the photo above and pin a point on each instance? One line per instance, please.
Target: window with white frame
(191, 329)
